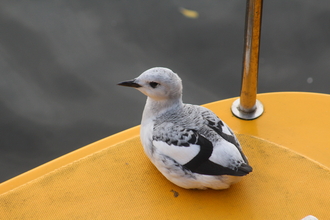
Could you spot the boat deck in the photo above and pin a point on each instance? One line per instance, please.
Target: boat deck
(288, 147)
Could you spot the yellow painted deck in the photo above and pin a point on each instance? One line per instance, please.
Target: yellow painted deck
(288, 147)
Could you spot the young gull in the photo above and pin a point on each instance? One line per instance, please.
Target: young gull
(187, 143)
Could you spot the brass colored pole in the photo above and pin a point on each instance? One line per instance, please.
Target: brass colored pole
(248, 103)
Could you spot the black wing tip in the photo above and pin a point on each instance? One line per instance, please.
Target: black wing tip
(213, 169)
(244, 169)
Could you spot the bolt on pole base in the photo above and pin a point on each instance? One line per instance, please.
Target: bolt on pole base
(237, 110)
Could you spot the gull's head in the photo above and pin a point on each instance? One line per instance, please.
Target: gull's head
(158, 83)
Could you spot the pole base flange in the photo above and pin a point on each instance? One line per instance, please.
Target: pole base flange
(236, 110)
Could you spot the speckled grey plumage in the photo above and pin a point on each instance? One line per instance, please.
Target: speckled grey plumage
(185, 126)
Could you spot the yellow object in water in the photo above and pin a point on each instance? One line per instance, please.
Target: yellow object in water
(288, 147)
(189, 13)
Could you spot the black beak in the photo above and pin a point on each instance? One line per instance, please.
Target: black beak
(130, 83)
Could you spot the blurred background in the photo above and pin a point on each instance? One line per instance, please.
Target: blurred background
(60, 61)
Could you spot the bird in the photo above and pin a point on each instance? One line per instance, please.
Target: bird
(189, 144)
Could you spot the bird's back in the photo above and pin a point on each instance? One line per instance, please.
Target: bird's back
(182, 126)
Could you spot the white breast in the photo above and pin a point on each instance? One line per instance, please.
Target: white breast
(146, 136)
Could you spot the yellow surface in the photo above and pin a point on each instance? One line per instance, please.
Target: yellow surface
(111, 179)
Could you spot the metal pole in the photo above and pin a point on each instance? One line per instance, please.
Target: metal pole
(247, 106)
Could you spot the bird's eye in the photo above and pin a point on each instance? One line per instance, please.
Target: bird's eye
(153, 84)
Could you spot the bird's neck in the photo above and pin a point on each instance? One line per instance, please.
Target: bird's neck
(154, 108)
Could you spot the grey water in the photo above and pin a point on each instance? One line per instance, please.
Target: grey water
(60, 62)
